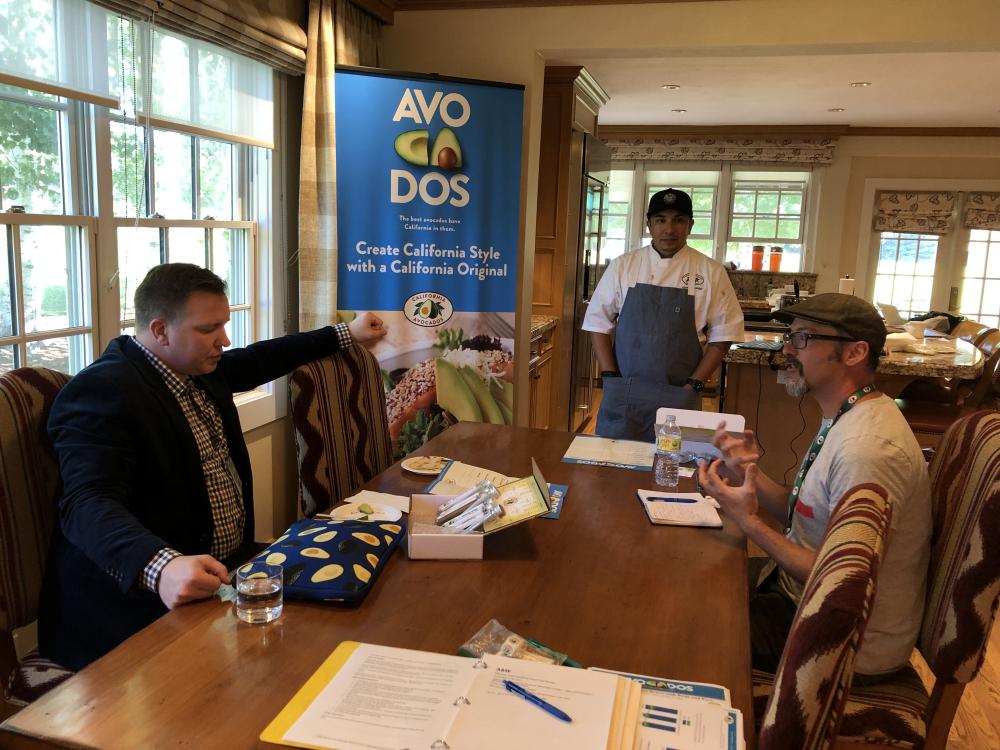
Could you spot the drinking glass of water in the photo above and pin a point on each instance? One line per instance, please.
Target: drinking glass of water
(258, 592)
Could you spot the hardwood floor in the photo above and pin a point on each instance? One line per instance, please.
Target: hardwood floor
(977, 722)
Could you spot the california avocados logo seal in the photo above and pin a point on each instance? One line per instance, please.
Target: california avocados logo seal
(428, 309)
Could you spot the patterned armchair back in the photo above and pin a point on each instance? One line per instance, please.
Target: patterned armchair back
(817, 665)
(964, 578)
(341, 428)
(29, 490)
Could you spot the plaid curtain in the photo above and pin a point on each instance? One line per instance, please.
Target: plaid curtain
(317, 254)
(359, 36)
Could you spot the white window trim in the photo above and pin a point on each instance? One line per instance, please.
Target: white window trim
(636, 225)
(950, 246)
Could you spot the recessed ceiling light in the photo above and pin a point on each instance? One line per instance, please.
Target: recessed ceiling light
(679, 111)
(670, 86)
(860, 84)
(836, 109)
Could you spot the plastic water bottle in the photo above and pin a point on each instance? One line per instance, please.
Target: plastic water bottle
(666, 465)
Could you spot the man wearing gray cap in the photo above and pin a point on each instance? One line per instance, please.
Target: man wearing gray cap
(673, 312)
(832, 352)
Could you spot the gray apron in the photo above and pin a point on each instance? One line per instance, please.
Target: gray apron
(657, 348)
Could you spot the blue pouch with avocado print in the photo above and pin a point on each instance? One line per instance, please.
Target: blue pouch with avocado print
(332, 560)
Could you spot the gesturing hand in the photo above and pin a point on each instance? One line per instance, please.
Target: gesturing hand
(190, 577)
(366, 328)
(738, 502)
(737, 452)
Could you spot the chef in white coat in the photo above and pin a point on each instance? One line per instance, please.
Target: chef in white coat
(673, 313)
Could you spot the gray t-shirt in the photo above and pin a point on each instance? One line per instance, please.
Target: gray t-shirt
(873, 443)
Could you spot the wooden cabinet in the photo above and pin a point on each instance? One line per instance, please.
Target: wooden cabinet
(540, 369)
(570, 104)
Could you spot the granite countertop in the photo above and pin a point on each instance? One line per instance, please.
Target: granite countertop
(965, 363)
(542, 323)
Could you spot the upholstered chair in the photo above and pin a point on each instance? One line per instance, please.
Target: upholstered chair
(341, 428)
(807, 694)
(29, 497)
(963, 589)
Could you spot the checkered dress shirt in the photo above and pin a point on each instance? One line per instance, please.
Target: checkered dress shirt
(225, 491)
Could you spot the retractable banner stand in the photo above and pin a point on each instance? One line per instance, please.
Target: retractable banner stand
(428, 201)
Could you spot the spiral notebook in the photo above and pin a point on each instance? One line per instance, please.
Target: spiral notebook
(665, 507)
(366, 696)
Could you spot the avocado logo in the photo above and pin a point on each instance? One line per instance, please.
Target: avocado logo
(428, 309)
(414, 146)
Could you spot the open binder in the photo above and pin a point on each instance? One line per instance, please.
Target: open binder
(367, 696)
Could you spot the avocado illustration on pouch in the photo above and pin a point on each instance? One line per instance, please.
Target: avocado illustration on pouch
(446, 152)
(453, 394)
(481, 392)
(412, 146)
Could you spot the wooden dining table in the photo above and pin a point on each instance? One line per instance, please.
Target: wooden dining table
(600, 583)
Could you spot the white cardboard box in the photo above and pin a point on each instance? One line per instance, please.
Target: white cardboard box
(426, 541)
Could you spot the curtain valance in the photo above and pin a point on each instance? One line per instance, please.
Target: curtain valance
(271, 31)
(917, 212)
(982, 211)
(736, 149)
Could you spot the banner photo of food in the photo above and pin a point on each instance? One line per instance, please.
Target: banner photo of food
(428, 200)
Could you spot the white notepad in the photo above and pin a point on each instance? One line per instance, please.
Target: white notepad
(679, 508)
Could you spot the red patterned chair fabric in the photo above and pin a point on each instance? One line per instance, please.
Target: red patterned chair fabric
(29, 496)
(341, 428)
(808, 692)
(963, 590)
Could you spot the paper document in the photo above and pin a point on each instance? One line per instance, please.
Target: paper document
(678, 715)
(368, 697)
(457, 477)
(679, 508)
(520, 500)
(624, 454)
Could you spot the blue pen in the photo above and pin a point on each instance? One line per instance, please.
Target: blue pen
(532, 698)
(660, 499)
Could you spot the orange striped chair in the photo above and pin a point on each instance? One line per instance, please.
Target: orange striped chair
(29, 497)
(805, 699)
(341, 428)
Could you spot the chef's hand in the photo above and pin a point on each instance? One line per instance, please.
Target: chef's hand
(367, 328)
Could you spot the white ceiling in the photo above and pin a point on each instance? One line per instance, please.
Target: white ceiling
(923, 89)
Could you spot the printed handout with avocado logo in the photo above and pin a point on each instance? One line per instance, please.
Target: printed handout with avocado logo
(428, 210)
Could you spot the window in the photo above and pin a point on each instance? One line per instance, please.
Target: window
(701, 186)
(767, 212)
(905, 273)
(734, 209)
(106, 187)
(980, 293)
(615, 241)
(46, 317)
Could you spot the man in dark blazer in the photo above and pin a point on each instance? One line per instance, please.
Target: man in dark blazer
(157, 498)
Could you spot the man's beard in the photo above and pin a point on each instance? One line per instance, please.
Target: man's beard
(796, 385)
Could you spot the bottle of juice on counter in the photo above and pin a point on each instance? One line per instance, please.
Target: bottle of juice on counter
(757, 258)
(774, 261)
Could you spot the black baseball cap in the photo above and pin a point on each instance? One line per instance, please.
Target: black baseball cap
(852, 315)
(670, 200)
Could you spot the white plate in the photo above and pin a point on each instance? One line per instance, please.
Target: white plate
(352, 512)
(429, 466)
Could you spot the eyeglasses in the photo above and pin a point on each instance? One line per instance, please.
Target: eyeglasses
(800, 339)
